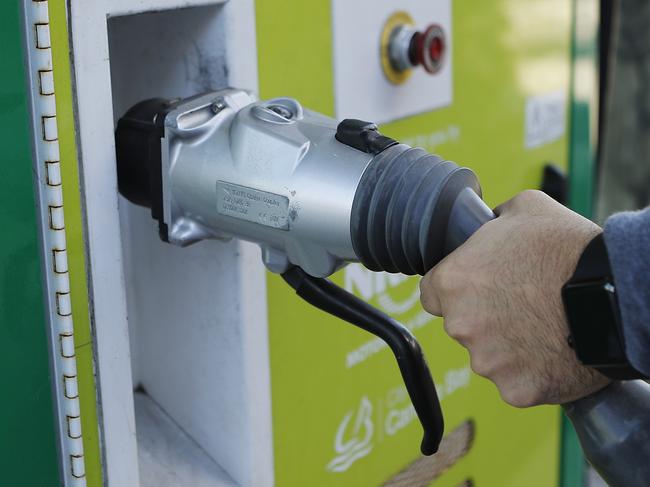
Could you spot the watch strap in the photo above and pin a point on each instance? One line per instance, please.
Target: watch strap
(594, 267)
(594, 262)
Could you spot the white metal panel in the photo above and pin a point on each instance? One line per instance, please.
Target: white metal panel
(197, 316)
(168, 455)
(132, 7)
(360, 88)
(108, 302)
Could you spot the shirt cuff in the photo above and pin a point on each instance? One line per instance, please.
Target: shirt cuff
(627, 236)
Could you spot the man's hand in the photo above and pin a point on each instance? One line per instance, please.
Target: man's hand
(500, 295)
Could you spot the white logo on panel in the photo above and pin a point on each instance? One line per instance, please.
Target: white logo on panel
(370, 284)
(360, 430)
(545, 118)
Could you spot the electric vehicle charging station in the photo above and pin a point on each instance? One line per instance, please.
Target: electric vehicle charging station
(199, 367)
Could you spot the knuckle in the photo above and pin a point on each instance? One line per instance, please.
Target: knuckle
(530, 195)
(481, 365)
(429, 296)
(525, 200)
(436, 276)
(519, 397)
(535, 199)
(425, 284)
(444, 279)
(459, 331)
(428, 303)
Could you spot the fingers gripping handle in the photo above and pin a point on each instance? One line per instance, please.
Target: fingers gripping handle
(330, 298)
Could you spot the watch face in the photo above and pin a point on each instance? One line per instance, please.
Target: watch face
(591, 310)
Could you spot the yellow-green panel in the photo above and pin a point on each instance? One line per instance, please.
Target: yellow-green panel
(89, 419)
(323, 370)
(74, 240)
(294, 52)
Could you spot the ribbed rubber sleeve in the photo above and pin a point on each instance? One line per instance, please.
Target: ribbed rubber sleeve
(400, 215)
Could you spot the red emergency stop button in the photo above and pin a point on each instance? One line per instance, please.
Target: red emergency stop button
(430, 47)
(404, 47)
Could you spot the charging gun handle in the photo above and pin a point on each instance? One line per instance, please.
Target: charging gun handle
(467, 215)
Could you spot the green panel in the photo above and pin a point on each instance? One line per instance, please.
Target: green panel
(28, 453)
(584, 105)
(573, 464)
(582, 160)
(504, 52)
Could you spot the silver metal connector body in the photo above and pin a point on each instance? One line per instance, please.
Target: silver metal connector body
(270, 172)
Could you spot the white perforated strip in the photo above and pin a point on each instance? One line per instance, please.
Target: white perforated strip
(55, 263)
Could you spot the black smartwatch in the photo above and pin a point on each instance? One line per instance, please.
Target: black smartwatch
(592, 311)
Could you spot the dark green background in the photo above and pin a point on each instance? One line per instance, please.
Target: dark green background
(28, 450)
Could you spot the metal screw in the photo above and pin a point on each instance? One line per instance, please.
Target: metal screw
(218, 105)
(282, 111)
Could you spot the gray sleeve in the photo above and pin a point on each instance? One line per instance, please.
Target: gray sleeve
(627, 237)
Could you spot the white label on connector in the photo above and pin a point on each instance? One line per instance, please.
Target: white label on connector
(253, 205)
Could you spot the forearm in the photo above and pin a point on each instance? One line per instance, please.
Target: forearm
(627, 236)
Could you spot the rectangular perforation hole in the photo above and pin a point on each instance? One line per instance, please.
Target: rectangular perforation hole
(57, 221)
(43, 36)
(46, 82)
(70, 386)
(53, 173)
(50, 131)
(74, 426)
(63, 306)
(59, 261)
(77, 466)
(67, 345)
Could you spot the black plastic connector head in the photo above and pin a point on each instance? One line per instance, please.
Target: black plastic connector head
(139, 160)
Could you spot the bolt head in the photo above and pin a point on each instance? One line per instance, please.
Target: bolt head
(218, 105)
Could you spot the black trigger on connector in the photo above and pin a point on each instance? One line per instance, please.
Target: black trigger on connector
(363, 136)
